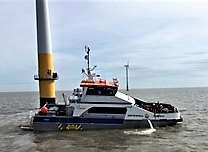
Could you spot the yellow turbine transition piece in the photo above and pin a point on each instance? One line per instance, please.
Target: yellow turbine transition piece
(46, 74)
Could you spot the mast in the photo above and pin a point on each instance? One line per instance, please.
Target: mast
(89, 69)
(127, 76)
(87, 57)
(46, 73)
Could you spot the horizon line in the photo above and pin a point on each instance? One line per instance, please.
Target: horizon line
(147, 88)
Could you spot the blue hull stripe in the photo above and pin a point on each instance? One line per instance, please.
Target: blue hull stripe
(78, 120)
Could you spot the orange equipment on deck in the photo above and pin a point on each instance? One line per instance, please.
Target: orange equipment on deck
(98, 83)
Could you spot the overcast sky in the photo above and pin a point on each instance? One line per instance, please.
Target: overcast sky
(165, 42)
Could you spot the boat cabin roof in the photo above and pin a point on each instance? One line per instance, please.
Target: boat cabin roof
(98, 84)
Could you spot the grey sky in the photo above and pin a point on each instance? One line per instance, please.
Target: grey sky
(165, 42)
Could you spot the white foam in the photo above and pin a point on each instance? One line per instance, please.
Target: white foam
(142, 132)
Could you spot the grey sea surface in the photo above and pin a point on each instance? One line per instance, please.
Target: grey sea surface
(190, 136)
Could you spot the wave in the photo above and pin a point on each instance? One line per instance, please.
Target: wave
(142, 132)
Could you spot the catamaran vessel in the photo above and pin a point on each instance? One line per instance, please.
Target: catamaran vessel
(97, 104)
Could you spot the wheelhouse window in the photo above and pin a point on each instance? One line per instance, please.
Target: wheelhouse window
(101, 91)
(107, 110)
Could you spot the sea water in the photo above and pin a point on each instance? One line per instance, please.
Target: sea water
(191, 135)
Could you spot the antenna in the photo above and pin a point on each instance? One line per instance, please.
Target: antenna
(87, 57)
(89, 69)
(127, 76)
